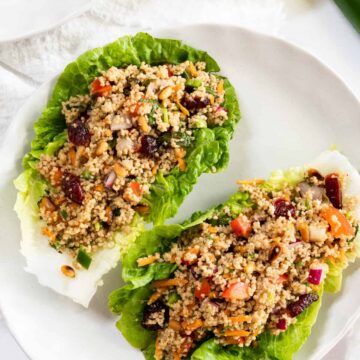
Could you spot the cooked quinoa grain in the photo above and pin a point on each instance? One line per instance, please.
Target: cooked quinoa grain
(239, 276)
(135, 122)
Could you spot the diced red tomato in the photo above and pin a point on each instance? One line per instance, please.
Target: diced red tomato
(204, 289)
(135, 187)
(97, 88)
(241, 226)
(282, 278)
(238, 290)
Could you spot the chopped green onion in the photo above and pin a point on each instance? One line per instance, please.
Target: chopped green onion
(112, 143)
(98, 226)
(195, 83)
(173, 298)
(87, 175)
(84, 259)
(117, 212)
(64, 214)
(165, 115)
(210, 90)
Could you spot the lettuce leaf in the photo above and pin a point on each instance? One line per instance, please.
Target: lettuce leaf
(208, 153)
(159, 239)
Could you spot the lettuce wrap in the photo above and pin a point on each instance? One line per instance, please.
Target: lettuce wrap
(130, 300)
(208, 152)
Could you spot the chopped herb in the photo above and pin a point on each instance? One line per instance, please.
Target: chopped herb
(117, 212)
(173, 298)
(210, 90)
(83, 258)
(356, 232)
(194, 83)
(56, 245)
(153, 101)
(186, 75)
(98, 226)
(112, 143)
(222, 221)
(87, 175)
(64, 214)
(251, 256)
(165, 115)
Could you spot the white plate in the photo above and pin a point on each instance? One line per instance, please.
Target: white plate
(23, 18)
(293, 108)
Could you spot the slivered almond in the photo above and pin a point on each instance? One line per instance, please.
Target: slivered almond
(68, 271)
(72, 157)
(120, 170)
(101, 148)
(192, 70)
(165, 93)
(144, 126)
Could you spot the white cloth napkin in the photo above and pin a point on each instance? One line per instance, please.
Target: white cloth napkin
(25, 64)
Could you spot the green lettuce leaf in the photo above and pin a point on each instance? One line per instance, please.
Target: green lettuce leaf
(208, 153)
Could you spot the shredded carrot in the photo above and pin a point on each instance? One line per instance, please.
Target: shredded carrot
(231, 341)
(154, 170)
(109, 215)
(338, 223)
(99, 187)
(212, 229)
(177, 87)
(240, 319)
(175, 325)
(180, 152)
(169, 282)
(176, 356)
(158, 352)
(47, 204)
(156, 295)
(250, 182)
(220, 87)
(57, 177)
(182, 164)
(72, 156)
(236, 333)
(146, 260)
(47, 232)
(212, 99)
(193, 325)
(183, 109)
(136, 188)
(59, 200)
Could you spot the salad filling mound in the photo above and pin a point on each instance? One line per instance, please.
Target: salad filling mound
(136, 121)
(239, 277)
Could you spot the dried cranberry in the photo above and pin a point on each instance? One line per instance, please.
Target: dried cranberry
(284, 208)
(71, 186)
(281, 325)
(195, 103)
(275, 252)
(78, 133)
(149, 145)
(297, 307)
(333, 190)
(151, 312)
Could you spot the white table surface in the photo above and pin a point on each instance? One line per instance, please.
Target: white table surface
(315, 25)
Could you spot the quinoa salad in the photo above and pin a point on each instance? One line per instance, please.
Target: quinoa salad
(237, 278)
(135, 122)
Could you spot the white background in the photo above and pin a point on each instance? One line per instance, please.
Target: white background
(316, 25)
